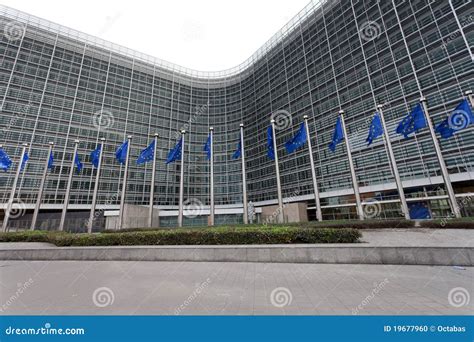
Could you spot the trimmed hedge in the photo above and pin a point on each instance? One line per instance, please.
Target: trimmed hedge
(366, 224)
(28, 236)
(210, 236)
(447, 224)
(355, 224)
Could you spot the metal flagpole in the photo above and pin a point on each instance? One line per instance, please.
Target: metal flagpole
(319, 214)
(212, 207)
(181, 183)
(124, 183)
(152, 187)
(398, 181)
(277, 170)
(470, 98)
(96, 188)
(444, 171)
(244, 176)
(41, 187)
(442, 164)
(68, 189)
(12, 194)
(360, 211)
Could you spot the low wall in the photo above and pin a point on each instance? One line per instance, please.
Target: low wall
(134, 216)
(292, 213)
(333, 254)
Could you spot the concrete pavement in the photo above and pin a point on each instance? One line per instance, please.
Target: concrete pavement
(187, 288)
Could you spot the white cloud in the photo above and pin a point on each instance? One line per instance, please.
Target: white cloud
(207, 35)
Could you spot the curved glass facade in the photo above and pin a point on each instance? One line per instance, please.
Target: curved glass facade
(57, 84)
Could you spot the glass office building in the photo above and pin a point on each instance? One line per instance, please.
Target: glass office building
(58, 84)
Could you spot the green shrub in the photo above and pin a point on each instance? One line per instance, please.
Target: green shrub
(464, 223)
(448, 224)
(209, 236)
(28, 236)
(355, 224)
(366, 224)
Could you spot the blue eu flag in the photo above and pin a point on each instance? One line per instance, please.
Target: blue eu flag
(24, 161)
(95, 156)
(271, 150)
(5, 161)
(238, 152)
(121, 153)
(175, 153)
(147, 154)
(375, 129)
(444, 129)
(419, 211)
(338, 135)
(462, 116)
(207, 147)
(77, 161)
(459, 119)
(412, 122)
(297, 141)
(51, 161)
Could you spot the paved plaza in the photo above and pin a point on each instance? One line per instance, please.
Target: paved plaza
(187, 288)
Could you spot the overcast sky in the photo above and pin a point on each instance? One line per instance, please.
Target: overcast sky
(206, 35)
